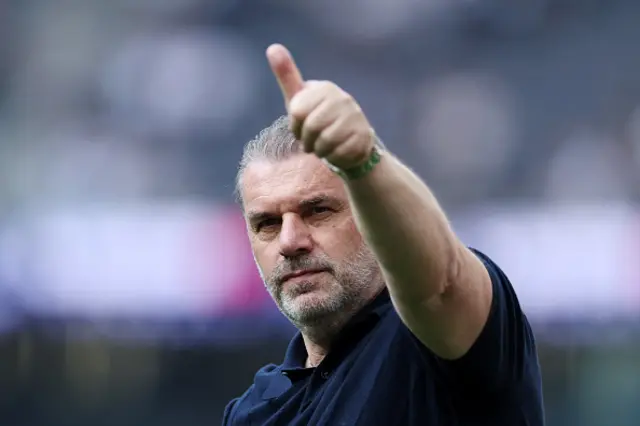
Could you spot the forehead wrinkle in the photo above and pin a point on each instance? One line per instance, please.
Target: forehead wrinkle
(290, 180)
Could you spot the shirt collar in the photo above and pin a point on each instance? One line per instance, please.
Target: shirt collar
(296, 354)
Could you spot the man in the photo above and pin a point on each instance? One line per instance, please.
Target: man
(399, 322)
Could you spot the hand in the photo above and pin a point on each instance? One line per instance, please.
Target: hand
(324, 118)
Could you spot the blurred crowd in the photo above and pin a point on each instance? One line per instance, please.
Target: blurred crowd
(486, 99)
(493, 102)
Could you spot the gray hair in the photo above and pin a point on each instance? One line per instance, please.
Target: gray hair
(273, 143)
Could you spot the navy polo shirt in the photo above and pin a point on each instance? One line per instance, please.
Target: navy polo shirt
(378, 373)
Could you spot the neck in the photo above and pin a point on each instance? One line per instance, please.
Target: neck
(319, 337)
(315, 353)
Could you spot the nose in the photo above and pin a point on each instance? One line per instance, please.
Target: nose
(295, 237)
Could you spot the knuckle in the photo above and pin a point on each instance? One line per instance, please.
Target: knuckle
(295, 105)
(298, 104)
(344, 97)
(296, 117)
(321, 150)
(329, 87)
(355, 114)
(312, 126)
(329, 134)
(349, 155)
(348, 104)
(324, 146)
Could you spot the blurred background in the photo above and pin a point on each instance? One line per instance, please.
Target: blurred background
(128, 295)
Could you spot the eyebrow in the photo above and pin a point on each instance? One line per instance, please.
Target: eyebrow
(257, 216)
(317, 200)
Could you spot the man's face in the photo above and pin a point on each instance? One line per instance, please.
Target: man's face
(310, 254)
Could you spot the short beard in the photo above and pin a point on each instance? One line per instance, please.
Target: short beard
(354, 280)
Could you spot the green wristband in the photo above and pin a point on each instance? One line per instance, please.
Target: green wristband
(361, 170)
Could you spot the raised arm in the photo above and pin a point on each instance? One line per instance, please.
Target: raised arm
(440, 289)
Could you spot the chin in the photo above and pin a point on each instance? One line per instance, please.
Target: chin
(307, 307)
(311, 301)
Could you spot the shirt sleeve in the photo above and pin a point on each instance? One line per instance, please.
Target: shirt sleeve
(505, 352)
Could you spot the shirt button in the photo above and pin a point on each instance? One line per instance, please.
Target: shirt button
(324, 375)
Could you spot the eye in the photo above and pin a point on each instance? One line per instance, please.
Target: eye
(268, 223)
(320, 209)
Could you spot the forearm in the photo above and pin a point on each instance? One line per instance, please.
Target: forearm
(407, 230)
(441, 290)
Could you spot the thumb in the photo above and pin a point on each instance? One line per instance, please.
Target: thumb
(285, 70)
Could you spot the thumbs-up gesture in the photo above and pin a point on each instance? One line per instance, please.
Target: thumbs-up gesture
(324, 118)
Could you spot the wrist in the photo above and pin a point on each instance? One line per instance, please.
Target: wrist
(363, 168)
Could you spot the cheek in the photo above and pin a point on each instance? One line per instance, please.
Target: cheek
(353, 229)
(342, 240)
(264, 261)
(351, 233)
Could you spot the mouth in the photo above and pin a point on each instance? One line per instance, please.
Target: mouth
(302, 273)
